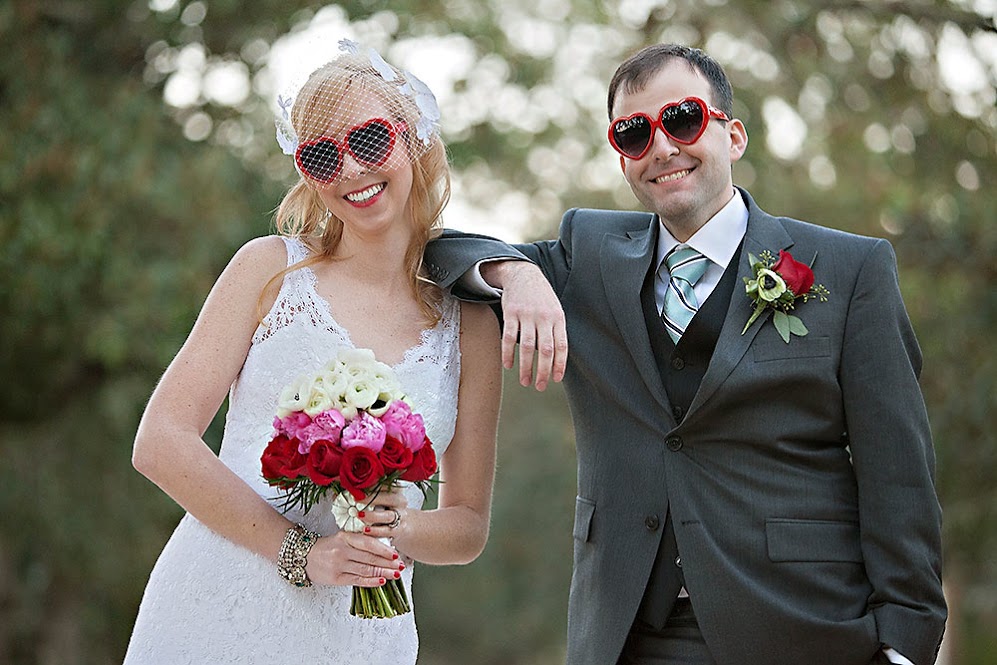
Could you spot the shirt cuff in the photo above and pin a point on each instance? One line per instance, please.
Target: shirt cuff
(894, 657)
(473, 281)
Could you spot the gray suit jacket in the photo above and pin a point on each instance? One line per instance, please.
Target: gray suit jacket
(801, 480)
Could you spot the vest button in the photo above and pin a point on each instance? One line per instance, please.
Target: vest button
(678, 561)
(678, 412)
(678, 363)
(674, 443)
(651, 522)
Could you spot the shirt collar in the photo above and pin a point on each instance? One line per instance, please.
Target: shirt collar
(717, 240)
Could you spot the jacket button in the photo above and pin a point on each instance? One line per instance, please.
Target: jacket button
(678, 363)
(674, 443)
(651, 522)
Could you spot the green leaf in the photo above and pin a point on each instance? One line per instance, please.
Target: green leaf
(781, 321)
(759, 308)
(796, 326)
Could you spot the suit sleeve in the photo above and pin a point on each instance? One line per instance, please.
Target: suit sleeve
(453, 254)
(893, 458)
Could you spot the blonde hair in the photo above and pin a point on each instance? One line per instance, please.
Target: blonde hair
(301, 213)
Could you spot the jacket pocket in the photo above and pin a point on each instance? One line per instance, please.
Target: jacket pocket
(584, 509)
(813, 540)
(799, 347)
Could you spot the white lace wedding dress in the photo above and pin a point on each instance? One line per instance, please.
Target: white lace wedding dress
(211, 601)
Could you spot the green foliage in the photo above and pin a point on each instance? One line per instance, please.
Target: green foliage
(114, 225)
(113, 228)
(511, 604)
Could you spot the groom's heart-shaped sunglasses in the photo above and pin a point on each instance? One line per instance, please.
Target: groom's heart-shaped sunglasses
(370, 143)
(683, 122)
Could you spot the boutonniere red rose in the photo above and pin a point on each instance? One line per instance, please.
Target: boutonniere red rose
(777, 285)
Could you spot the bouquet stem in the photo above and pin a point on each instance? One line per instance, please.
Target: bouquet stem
(382, 602)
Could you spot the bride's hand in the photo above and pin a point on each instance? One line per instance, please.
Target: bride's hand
(387, 515)
(352, 559)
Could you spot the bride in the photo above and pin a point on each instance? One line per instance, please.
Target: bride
(344, 272)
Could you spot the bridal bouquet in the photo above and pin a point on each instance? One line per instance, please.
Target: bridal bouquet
(349, 430)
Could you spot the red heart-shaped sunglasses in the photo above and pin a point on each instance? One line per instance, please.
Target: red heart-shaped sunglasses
(683, 122)
(370, 143)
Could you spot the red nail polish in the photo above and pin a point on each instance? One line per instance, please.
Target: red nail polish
(397, 574)
(361, 514)
(401, 566)
(366, 529)
(394, 556)
(381, 581)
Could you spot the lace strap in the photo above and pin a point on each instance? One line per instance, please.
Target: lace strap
(296, 250)
(449, 325)
(294, 298)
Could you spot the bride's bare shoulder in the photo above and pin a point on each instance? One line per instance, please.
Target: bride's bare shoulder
(252, 267)
(266, 255)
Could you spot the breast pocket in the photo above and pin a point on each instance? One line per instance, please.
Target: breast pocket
(808, 346)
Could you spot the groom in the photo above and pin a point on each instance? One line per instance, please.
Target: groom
(741, 500)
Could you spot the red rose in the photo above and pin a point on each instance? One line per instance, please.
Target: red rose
(281, 460)
(360, 469)
(798, 276)
(395, 455)
(324, 460)
(423, 465)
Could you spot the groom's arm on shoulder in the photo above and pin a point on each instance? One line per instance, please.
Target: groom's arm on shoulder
(528, 278)
(893, 457)
(454, 260)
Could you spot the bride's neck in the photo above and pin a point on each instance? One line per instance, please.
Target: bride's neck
(379, 261)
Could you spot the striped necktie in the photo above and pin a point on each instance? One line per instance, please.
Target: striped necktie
(685, 267)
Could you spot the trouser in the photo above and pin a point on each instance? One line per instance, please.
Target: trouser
(679, 642)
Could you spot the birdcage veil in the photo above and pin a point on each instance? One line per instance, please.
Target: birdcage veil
(356, 113)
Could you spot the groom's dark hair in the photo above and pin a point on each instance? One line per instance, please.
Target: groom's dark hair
(638, 69)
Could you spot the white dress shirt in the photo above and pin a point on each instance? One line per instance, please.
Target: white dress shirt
(717, 240)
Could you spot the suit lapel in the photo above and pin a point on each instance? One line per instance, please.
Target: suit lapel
(763, 232)
(625, 261)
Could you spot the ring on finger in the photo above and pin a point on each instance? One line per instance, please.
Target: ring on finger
(393, 523)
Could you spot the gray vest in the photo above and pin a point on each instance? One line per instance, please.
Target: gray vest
(682, 368)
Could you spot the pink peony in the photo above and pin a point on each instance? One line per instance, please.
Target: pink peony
(402, 424)
(326, 426)
(292, 424)
(364, 431)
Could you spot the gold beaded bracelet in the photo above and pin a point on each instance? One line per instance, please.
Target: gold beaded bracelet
(293, 555)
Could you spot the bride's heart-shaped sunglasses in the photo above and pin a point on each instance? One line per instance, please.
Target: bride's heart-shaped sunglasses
(370, 143)
(683, 122)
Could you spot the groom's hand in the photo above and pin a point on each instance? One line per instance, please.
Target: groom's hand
(532, 315)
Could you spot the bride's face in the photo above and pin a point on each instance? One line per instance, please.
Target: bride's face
(373, 180)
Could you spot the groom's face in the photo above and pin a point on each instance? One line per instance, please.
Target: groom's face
(684, 184)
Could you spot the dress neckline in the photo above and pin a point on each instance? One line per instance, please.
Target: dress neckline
(323, 304)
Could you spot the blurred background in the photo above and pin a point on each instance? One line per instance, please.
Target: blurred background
(137, 153)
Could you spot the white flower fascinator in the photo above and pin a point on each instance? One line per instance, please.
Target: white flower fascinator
(359, 109)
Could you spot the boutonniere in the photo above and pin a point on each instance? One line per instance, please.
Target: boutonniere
(777, 285)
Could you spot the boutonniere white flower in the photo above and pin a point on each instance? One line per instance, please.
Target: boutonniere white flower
(777, 285)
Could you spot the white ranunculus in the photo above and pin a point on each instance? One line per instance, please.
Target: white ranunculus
(334, 383)
(294, 397)
(355, 357)
(318, 399)
(361, 393)
(348, 410)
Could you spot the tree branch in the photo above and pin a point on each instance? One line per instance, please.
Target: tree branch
(885, 10)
